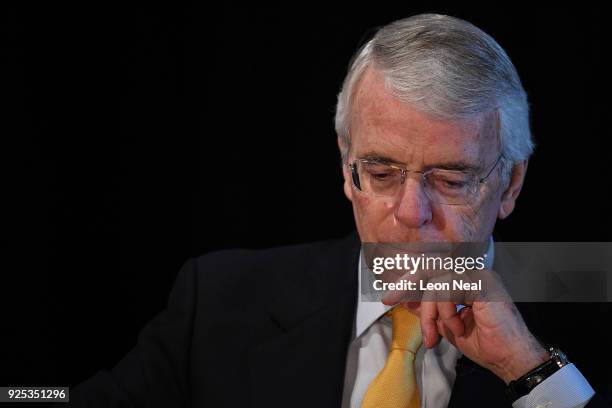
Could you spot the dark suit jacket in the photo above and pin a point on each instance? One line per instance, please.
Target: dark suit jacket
(266, 328)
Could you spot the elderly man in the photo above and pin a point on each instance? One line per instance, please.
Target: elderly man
(433, 129)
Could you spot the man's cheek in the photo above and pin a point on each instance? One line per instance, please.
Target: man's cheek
(473, 220)
(469, 227)
(364, 206)
(370, 215)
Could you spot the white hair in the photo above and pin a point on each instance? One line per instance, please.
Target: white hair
(448, 68)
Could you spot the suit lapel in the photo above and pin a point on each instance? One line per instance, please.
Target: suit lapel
(304, 366)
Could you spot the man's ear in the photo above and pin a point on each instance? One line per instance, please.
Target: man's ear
(509, 196)
(348, 191)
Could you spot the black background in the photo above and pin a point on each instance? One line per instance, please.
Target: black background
(136, 136)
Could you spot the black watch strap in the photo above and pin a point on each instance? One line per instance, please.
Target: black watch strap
(523, 386)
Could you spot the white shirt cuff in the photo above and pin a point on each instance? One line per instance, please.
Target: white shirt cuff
(567, 388)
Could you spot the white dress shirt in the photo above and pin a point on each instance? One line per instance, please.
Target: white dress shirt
(370, 345)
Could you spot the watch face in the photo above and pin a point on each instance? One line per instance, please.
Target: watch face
(534, 380)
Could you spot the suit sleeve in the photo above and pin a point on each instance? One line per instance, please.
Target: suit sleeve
(155, 372)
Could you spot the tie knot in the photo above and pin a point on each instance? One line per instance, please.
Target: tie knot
(406, 329)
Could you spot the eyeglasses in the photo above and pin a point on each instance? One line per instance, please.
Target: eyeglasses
(449, 187)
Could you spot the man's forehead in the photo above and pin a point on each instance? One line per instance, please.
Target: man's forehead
(381, 122)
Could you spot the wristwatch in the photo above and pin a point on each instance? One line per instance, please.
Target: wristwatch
(523, 386)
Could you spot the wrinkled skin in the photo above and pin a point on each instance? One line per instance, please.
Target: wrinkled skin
(491, 333)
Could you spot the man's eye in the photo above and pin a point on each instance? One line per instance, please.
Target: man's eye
(454, 184)
(381, 176)
(450, 184)
(379, 172)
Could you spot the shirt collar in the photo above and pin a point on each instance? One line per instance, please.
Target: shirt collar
(369, 312)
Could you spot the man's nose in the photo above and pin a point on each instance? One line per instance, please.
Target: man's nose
(413, 208)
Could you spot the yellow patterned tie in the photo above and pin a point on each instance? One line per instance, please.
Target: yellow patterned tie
(395, 385)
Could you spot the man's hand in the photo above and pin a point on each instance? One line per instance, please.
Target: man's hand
(490, 332)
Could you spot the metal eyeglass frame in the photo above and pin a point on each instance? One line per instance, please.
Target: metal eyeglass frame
(404, 172)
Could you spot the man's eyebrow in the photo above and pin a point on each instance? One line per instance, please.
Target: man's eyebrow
(379, 158)
(457, 165)
(454, 165)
